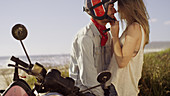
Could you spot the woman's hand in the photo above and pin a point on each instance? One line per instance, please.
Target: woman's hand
(115, 28)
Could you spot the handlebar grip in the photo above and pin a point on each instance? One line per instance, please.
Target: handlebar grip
(17, 60)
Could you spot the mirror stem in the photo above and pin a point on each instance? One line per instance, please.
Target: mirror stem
(90, 88)
(26, 54)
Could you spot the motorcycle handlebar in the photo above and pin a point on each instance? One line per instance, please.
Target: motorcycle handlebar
(17, 60)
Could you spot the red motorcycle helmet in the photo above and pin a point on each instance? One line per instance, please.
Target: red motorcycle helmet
(97, 8)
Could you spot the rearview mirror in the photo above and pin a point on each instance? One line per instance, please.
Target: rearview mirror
(19, 32)
(103, 77)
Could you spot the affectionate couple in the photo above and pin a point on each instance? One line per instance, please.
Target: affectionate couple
(94, 49)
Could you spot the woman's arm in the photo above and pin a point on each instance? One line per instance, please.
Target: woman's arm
(124, 54)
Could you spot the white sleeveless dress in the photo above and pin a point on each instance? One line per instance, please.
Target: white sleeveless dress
(126, 79)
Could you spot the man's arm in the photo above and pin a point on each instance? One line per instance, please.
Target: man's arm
(88, 72)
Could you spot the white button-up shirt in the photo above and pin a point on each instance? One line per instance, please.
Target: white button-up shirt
(88, 58)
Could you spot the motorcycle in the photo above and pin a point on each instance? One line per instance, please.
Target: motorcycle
(49, 82)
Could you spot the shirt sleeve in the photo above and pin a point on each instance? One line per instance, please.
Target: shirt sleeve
(88, 71)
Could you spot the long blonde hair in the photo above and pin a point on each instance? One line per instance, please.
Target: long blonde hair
(134, 11)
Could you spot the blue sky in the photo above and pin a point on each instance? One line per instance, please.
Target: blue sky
(52, 24)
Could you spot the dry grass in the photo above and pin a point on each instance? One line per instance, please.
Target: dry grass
(155, 79)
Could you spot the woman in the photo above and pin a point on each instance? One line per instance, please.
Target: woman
(127, 61)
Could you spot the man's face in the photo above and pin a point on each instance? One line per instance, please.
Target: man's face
(111, 11)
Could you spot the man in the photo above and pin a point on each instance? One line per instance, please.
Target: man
(91, 48)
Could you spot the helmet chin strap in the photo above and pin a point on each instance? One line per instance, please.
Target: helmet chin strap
(108, 29)
(109, 18)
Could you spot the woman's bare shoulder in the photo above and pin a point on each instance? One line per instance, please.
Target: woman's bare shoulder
(134, 29)
(134, 26)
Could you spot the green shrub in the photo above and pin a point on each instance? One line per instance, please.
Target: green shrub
(31, 80)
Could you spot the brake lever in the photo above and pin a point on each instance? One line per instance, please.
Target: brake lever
(26, 70)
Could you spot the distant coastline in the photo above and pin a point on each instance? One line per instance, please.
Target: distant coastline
(62, 59)
(157, 46)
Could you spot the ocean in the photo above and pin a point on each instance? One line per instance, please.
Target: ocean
(45, 60)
